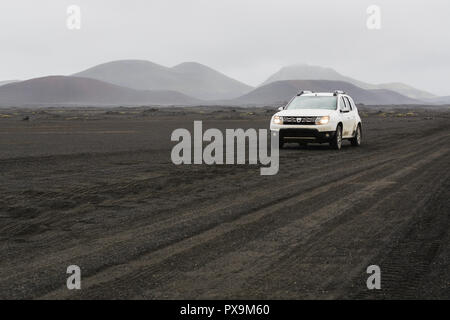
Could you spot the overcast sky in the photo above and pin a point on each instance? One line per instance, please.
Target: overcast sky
(246, 39)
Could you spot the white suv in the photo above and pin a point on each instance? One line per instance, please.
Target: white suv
(319, 118)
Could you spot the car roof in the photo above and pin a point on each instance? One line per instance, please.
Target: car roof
(318, 94)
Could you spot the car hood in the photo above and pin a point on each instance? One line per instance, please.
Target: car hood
(305, 112)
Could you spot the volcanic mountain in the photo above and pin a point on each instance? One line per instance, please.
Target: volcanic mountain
(76, 90)
(308, 72)
(282, 91)
(190, 78)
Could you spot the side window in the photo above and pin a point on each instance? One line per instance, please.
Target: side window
(344, 106)
(347, 100)
(352, 103)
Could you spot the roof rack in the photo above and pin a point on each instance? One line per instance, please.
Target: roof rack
(303, 92)
(336, 92)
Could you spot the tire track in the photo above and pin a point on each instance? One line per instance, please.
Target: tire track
(129, 244)
(274, 252)
(191, 243)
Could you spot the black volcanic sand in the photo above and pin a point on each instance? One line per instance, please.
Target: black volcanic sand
(95, 187)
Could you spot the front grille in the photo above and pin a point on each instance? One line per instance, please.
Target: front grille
(299, 120)
(298, 132)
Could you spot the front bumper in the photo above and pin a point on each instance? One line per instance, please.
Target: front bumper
(323, 127)
(305, 134)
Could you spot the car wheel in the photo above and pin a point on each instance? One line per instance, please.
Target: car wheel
(336, 143)
(356, 140)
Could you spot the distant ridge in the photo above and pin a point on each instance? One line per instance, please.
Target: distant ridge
(76, 90)
(2, 83)
(190, 78)
(127, 82)
(406, 90)
(440, 100)
(282, 91)
(308, 72)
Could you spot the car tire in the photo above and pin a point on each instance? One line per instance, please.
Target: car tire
(336, 142)
(356, 140)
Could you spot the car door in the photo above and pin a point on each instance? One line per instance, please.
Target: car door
(345, 118)
(351, 116)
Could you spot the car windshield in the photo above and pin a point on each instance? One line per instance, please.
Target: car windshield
(313, 102)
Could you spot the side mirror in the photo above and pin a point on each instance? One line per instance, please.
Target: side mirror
(280, 108)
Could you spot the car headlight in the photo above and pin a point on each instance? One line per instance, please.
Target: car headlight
(277, 120)
(322, 120)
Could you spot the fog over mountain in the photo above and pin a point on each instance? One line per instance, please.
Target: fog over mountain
(190, 78)
(2, 83)
(67, 90)
(406, 90)
(282, 91)
(308, 72)
(247, 40)
(439, 100)
(76, 90)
